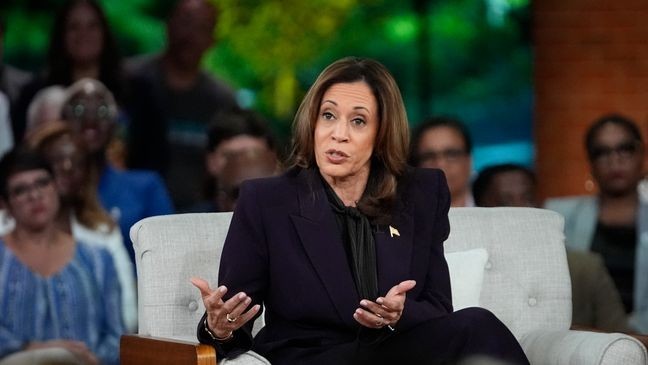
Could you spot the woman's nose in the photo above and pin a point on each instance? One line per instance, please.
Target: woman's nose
(341, 131)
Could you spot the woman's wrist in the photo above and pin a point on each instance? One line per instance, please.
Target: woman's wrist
(214, 337)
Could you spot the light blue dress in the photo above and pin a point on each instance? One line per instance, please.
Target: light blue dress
(81, 302)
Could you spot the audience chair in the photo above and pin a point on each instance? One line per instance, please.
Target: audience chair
(511, 261)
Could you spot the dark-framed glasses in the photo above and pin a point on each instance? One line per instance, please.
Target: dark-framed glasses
(22, 191)
(625, 151)
(450, 155)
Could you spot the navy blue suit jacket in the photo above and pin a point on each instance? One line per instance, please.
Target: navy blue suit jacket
(285, 250)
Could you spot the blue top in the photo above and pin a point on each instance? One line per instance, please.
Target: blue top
(81, 302)
(133, 195)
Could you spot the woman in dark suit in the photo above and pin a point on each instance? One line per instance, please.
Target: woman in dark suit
(345, 250)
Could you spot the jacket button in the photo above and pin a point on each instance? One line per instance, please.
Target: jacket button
(532, 301)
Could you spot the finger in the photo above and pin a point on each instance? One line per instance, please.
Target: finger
(240, 307)
(402, 288)
(232, 304)
(368, 319)
(392, 303)
(247, 316)
(379, 310)
(203, 286)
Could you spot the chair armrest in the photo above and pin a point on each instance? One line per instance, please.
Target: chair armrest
(137, 349)
(582, 347)
(641, 338)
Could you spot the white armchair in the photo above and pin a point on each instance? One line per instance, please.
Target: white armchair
(525, 283)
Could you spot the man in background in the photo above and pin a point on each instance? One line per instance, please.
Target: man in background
(174, 100)
(444, 143)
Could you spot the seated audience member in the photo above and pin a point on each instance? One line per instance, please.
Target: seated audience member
(595, 299)
(55, 292)
(128, 196)
(80, 213)
(231, 133)
(363, 295)
(241, 166)
(614, 222)
(81, 45)
(175, 102)
(444, 143)
(45, 107)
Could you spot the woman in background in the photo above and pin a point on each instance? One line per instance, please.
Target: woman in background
(54, 292)
(81, 214)
(614, 223)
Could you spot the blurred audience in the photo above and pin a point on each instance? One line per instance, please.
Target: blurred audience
(128, 196)
(444, 143)
(45, 107)
(12, 79)
(175, 102)
(595, 299)
(231, 133)
(6, 134)
(54, 292)
(614, 222)
(81, 45)
(241, 166)
(80, 213)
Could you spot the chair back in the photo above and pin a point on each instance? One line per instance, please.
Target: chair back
(526, 278)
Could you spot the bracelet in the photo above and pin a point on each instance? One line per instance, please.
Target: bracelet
(216, 338)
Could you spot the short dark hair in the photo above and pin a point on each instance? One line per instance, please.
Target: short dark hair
(616, 119)
(434, 122)
(487, 175)
(20, 159)
(232, 123)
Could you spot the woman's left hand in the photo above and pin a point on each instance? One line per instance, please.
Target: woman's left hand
(385, 311)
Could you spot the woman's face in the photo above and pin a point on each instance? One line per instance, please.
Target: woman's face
(89, 116)
(617, 160)
(69, 163)
(83, 35)
(32, 198)
(345, 131)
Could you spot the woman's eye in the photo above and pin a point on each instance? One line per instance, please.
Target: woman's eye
(358, 122)
(327, 115)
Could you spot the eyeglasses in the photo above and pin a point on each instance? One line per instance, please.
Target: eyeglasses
(449, 155)
(625, 151)
(22, 191)
(80, 112)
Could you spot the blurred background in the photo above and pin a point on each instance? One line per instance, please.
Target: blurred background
(466, 58)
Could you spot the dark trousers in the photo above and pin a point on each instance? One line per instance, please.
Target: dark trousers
(471, 333)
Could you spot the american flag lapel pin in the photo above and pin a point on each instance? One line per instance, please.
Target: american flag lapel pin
(393, 232)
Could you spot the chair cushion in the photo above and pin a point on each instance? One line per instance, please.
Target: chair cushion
(466, 276)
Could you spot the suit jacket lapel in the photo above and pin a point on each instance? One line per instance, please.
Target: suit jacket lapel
(394, 252)
(319, 234)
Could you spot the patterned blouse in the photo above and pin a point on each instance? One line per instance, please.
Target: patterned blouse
(80, 302)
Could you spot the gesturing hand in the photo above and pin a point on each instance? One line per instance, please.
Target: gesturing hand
(223, 318)
(385, 311)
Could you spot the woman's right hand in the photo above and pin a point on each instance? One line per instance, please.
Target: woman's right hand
(223, 318)
(77, 348)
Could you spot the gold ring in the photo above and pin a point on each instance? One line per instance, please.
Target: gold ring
(229, 319)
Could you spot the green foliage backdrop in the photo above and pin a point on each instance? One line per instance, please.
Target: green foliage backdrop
(469, 58)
